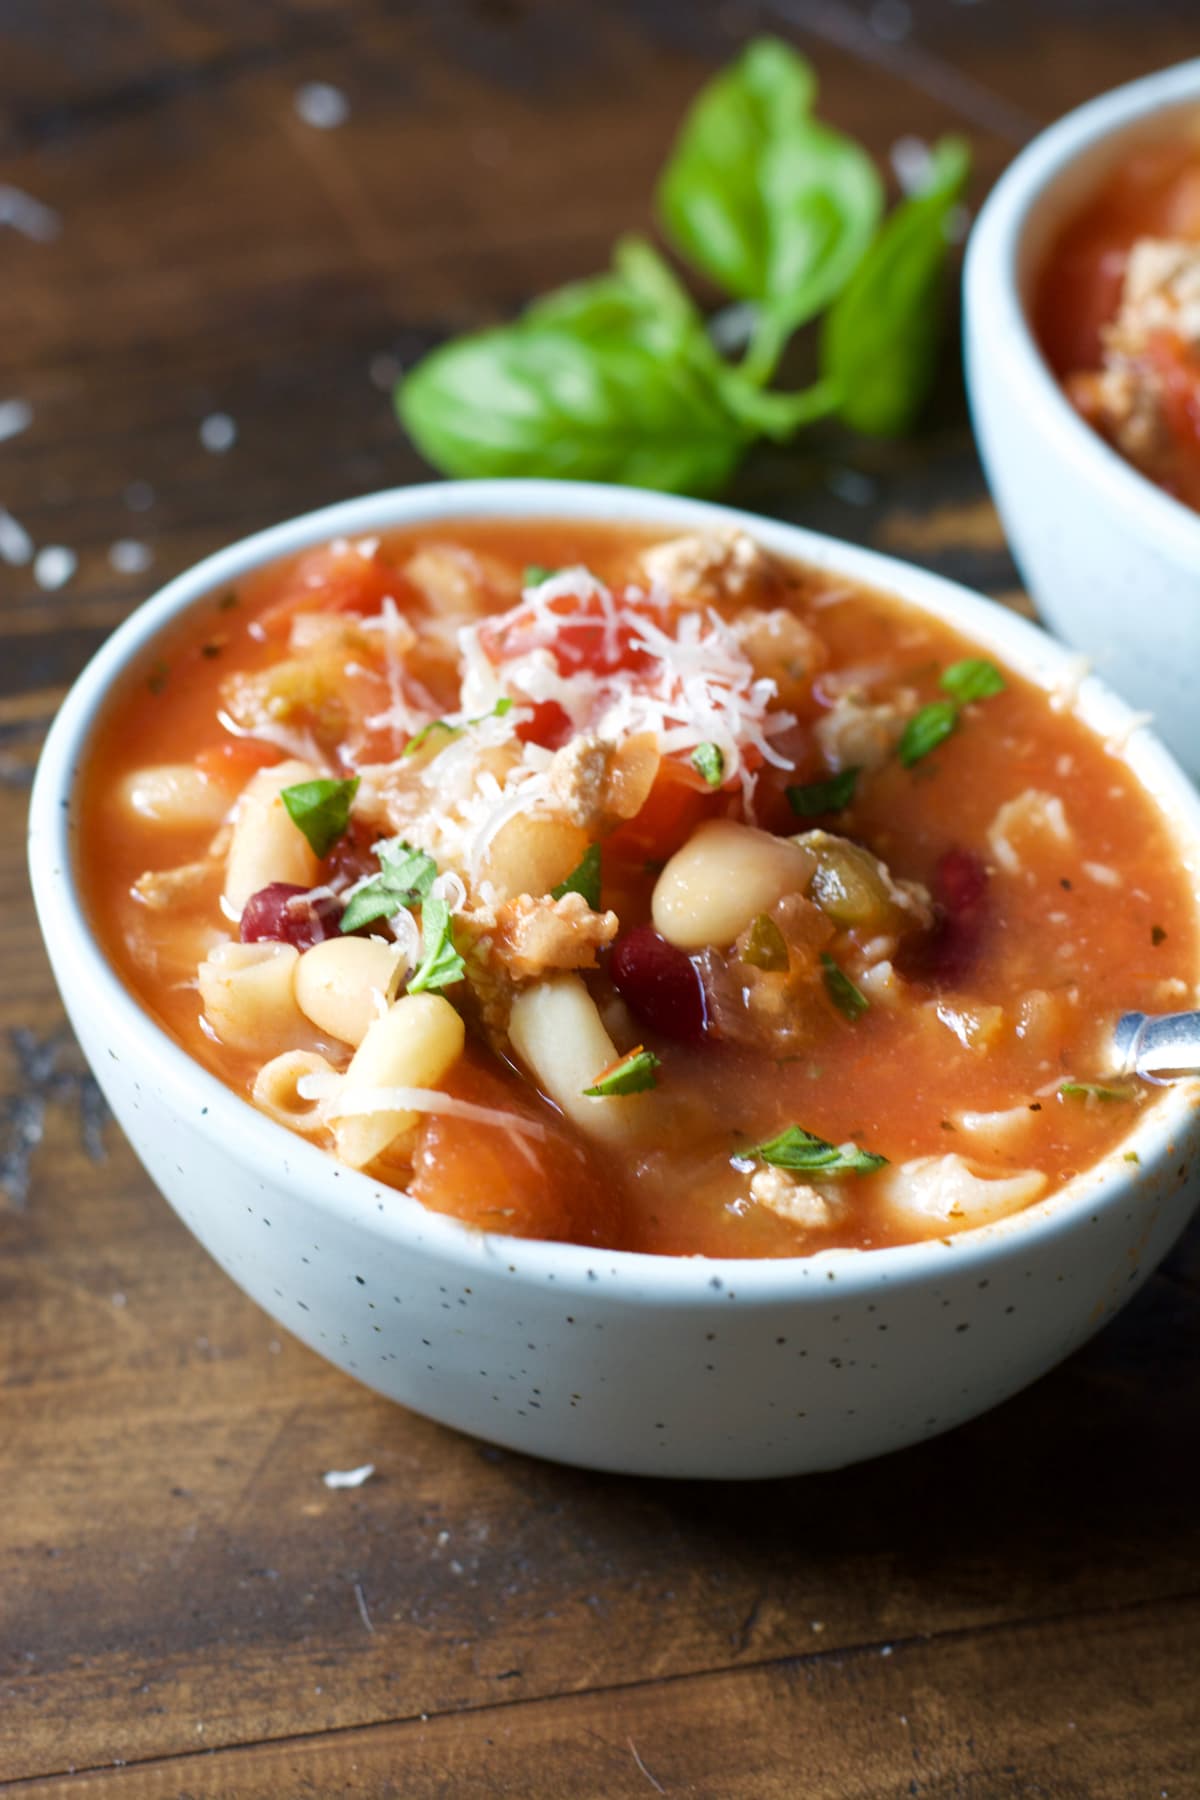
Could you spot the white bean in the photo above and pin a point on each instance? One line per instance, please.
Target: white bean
(415, 1044)
(266, 846)
(246, 991)
(344, 984)
(556, 1028)
(724, 876)
(176, 795)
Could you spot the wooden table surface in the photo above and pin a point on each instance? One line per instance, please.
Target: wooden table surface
(185, 1609)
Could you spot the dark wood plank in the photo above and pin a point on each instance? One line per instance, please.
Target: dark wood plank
(1090, 1708)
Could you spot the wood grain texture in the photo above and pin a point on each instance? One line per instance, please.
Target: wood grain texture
(175, 1580)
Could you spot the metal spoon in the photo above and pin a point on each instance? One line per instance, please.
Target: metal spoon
(1158, 1047)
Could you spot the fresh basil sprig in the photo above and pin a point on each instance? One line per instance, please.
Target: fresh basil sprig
(709, 760)
(774, 206)
(850, 1000)
(879, 339)
(632, 1073)
(320, 809)
(616, 378)
(805, 1153)
(971, 679)
(440, 965)
(817, 797)
(1092, 1090)
(405, 878)
(584, 879)
(421, 737)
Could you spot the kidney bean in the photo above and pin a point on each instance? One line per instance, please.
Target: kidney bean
(945, 954)
(290, 915)
(660, 984)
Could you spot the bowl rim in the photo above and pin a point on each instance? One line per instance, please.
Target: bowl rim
(996, 318)
(278, 1156)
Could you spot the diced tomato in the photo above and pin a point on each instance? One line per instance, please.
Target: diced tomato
(680, 800)
(549, 1187)
(235, 760)
(550, 725)
(335, 579)
(586, 638)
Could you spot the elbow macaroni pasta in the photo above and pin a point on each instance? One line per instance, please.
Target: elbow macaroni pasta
(344, 984)
(246, 992)
(557, 1031)
(415, 1044)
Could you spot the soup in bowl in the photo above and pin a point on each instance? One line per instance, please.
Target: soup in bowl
(1081, 353)
(577, 957)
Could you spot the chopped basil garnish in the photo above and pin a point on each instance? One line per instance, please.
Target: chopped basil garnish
(535, 574)
(321, 810)
(405, 878)
(585, 879)
(808, 802)
(440, 963)
(1091, 1090)
(971, 679)
(926, 730)
(802, 1151)
(766, 947)
(849, 1000)
(710, 762)
(414, 743)
(633, 1073)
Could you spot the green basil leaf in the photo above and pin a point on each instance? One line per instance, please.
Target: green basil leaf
(710, 195)
(1090, 1090)
(532, 400)
(823, 198)
(850, 1001)
(766, 946)
(585, 879)
(710, 761)
(321, 810)
(498, 711)
(534, 574)
(633, 1074)
(405, 878)
(440, 964)
(927, 729)
(806, 1154)
(972, 679)
(817, 797)
(767, 201)
(879, 339)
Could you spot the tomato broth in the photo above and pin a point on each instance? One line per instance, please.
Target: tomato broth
(1116, 308)
(841, 912)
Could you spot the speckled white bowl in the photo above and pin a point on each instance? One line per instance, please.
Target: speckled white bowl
(653, 1365)
(1112, 561)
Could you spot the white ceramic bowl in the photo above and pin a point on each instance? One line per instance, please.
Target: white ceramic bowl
(1112, 561)
(656, 1365)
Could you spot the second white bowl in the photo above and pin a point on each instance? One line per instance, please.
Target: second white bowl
(1112, 561)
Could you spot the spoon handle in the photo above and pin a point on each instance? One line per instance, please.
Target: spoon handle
(1158, 1047)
